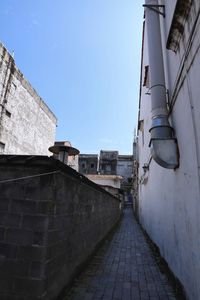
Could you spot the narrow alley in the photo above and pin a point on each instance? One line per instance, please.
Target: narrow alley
(123, 269)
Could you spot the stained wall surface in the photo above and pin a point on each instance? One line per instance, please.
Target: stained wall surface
(27, 126)
(169, 205)
(51, 220)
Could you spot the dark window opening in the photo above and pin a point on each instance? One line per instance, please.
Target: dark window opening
(8, 114)
(2, 146)
(146, 76)
(14, 85)
(92, 166)
(108, 168)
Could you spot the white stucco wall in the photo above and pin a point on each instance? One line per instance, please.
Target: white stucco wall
(125, 166)
(27, 126)
(106, 180)
(169, 200)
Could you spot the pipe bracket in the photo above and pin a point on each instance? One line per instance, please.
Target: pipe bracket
(156, 8)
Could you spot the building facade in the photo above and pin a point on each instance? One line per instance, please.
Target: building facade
(109, 169)
(108, 162)
(125, 167)
(169, 136)
(110, 183)
(88, 163)
(27, 126)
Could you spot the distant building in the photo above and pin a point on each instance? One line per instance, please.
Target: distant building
(108, 162)
(88, 163)
(110, 183)
(112, 168)
(125, 167)
(27, 126)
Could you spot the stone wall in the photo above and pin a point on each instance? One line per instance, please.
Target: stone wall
(51, 220)
(27, 126)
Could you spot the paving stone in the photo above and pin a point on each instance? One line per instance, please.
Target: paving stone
(123, 269)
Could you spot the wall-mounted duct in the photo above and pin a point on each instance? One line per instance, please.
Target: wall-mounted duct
(163, 144)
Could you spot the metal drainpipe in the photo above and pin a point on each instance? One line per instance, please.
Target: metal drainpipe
(164, 147)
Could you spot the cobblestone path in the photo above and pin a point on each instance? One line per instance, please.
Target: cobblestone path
(123, 269)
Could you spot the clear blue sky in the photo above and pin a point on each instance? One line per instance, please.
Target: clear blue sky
(83, 59)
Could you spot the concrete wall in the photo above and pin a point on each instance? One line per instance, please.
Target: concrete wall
(125, 166)
(106, 180)
(108, 162)
(50, 222)
(27, 126)
(169, 206)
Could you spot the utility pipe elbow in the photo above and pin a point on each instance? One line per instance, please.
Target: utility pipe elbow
(165, 152)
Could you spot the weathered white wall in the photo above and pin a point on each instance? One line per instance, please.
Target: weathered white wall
(125, 166)
(27, 126)
(73, 162)
(106, 180)
(169, 200)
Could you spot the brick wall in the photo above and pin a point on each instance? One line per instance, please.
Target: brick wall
(49, 225)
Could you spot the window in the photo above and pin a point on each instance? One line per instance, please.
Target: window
(141, 128)
(83, 165)
(2, 146)
(14, 85)
(146, 76)
(8, 114)
(92, 166)
(108, 168)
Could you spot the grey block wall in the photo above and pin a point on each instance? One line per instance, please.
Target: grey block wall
(50, 223)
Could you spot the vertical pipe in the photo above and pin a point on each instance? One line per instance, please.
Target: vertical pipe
(63, 157)
(163, 145)
(157, 79)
